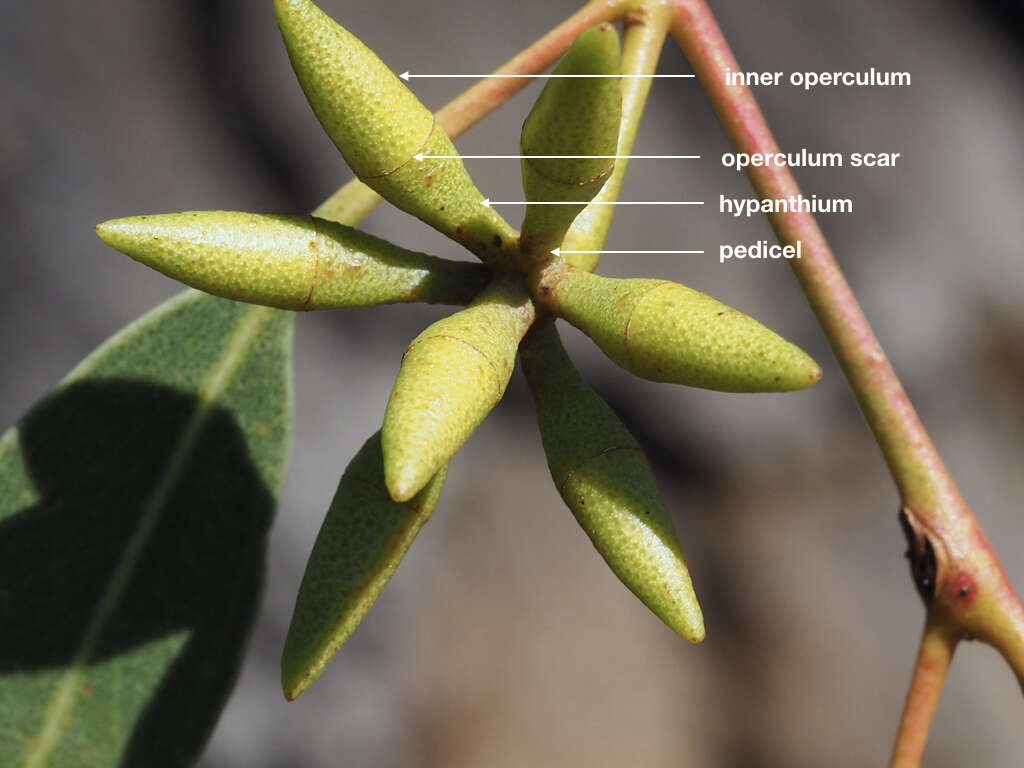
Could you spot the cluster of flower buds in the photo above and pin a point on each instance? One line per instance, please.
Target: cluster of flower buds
(457, 370)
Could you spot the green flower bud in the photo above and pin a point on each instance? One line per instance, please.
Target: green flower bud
(664, 331)
(378, 124)
(572, 116)
(605, 480)
(291, 262)
(452, 375)
(641, 45)
(361, 542)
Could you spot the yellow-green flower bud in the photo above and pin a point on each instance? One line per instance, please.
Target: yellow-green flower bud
(452, 375)
(605, 480)
(291, 262)
(664, 331)
(642, 41)
(572, 116)
(379, 125)
(361, 542)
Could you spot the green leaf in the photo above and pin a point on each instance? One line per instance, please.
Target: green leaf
(361, 542)
(134, 507)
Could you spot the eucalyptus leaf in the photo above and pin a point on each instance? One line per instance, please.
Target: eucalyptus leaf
(135, 504)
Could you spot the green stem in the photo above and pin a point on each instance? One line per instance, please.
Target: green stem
(354, 201)
(964, 580)
(349, 205)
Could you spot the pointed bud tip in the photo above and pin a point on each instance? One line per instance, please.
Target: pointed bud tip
(686, 619)
(401, 484)
(287, 7)
(806, 376)
(118, 232)
(816, 373)
(695, 634)
(292, 688)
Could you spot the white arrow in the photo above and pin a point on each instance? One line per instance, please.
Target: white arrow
(559, 251)
(406, 76)
(421, 156)
(487, 202)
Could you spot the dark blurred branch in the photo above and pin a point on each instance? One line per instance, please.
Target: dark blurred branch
(1007, 16)
(236, 99)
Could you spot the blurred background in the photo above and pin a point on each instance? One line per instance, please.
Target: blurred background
(503, 640)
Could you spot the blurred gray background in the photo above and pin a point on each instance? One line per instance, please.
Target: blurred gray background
(504, 640)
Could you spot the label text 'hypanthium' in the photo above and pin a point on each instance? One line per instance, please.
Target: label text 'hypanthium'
(748, 206)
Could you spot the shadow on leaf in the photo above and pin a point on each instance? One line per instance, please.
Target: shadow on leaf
(167, 652)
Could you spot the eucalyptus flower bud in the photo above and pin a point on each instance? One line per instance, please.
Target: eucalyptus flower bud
(362, 540)
(603, 477)
(290, 262)
(664, 331)
(452, 375)
(572, 116)
(379, 125)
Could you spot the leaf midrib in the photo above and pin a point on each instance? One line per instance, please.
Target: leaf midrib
(209, 393)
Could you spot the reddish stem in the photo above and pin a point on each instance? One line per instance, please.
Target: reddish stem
(914, 462)
(957, 573)
(482, 98)
(938, 643)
